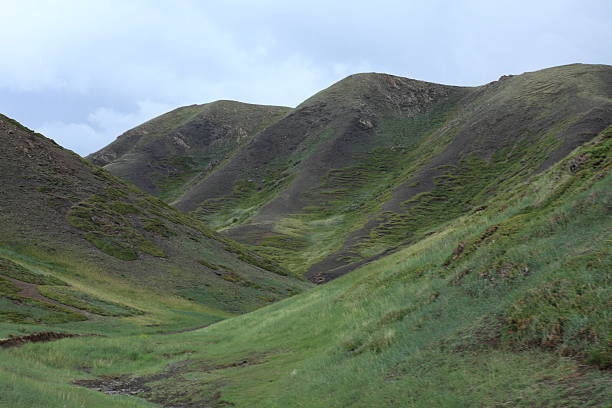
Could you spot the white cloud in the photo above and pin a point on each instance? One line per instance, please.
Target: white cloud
(78, 137)
(101, 126)
(113, 53)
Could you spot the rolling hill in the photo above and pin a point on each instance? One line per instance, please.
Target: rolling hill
(376, 162)
(474, 222)
(162, 155)
(74, 229)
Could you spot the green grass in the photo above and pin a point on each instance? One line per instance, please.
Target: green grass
(519, 318)
(25, 310)
(80, 300)
(114, 227)
(247, 196)
(349, 196)
(123, 306)
(16, 271)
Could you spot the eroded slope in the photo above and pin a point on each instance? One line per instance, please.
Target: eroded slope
(77, 221)
(377, 161)
(162, 155)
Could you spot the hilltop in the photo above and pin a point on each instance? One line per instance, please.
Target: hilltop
(162, 155)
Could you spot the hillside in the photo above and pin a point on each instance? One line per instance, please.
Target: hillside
(377, 162)
(80, 245)
(506, 305)
(162, 155)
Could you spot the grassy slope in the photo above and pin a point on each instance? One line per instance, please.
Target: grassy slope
(505, 306)
(164, 154)
(376, 162)
(116, 251)
(271, 193)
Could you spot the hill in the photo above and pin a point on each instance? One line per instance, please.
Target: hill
(162, 155)
(80, 245)
(377, 162)
(474, 223)
(507, 305)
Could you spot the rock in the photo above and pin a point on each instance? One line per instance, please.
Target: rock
(575, 164)
(365, 124)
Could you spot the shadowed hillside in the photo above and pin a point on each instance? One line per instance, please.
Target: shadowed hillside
(63, 219)
(164, 154)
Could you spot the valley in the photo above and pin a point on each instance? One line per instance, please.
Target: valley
(388, 242)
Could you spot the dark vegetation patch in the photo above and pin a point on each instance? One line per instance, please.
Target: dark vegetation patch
(158, 227)
(583, 388)
(567, 315)
(177, 170)
(8, 288)
(21, 309)
(115, 227)
(228, 274)
(284, 241)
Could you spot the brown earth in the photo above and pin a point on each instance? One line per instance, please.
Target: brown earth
(36, 338)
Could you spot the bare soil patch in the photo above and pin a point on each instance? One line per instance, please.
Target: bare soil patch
(36, 338)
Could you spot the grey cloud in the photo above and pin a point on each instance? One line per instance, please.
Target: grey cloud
(65, 63)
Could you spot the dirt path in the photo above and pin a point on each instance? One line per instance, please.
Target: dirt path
(31, 290)
(36, 338)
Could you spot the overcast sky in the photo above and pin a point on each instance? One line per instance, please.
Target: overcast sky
(84, 71)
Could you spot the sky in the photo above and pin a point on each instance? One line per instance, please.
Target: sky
(84, 71)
